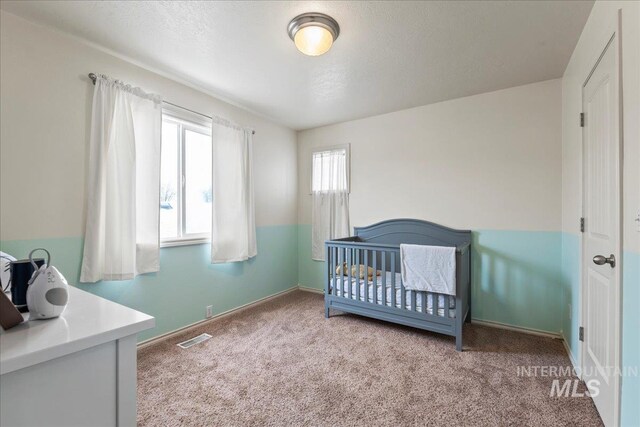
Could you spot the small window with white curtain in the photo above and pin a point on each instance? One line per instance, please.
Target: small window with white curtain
(186, 194)
(330, 197)
(330, 169)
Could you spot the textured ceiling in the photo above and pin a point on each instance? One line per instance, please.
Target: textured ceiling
(389, 56)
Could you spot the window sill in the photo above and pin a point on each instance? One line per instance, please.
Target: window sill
(348, 192)
(184, 242)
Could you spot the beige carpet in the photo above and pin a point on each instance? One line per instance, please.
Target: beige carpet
(283, 364)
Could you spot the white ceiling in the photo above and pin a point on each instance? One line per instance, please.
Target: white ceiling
(389, 56)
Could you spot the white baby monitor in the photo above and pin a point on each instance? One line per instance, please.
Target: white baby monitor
(48, 293)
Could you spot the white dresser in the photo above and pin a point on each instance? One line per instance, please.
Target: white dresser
(76, 370)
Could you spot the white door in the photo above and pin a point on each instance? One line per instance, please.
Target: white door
(601, 242)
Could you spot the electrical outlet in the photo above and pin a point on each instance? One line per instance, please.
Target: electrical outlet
(209, 311)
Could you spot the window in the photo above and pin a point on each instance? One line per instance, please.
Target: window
(329, 197)
(185, 178)
(330, 169)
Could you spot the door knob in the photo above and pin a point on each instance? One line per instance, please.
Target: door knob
(602, 260)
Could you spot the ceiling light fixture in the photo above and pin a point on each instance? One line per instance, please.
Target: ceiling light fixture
(313, 33)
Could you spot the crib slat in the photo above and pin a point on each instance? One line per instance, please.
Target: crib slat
(355, 268)
(332, 271)
(436, 300)
(393, 281)
(383, 273)
(447, 303)
(327, 274)
(341, 264)
(365, 287)
(349, 266)
(339, 278)
(403, 295)
(423, 299)
(334, 257)
(336, 283)
(357, 290)
(413, 300)
(374, 278)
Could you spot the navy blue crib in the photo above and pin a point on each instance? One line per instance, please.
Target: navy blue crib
(376, 248)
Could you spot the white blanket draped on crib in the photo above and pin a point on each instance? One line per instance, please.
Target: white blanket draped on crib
(429, 268)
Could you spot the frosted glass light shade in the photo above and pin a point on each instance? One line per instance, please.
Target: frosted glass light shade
(313, 40)
(313, 33)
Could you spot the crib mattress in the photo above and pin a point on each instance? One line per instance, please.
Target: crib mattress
(342, 288)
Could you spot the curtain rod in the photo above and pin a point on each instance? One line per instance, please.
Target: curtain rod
(93, 78)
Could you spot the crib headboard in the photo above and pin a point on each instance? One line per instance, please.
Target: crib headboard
(412, 231)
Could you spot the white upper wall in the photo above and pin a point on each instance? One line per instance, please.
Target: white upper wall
(591, 44)
(489, 161)
(45, 112)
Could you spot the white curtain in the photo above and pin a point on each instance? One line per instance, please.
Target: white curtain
(122, 237)
(330, 200)
(233, 231)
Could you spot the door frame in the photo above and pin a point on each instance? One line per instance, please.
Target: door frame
(610, 38)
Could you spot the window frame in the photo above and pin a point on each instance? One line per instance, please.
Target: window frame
(185, 121)
(346, 148)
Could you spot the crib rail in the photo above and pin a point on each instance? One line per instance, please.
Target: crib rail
(349, 263)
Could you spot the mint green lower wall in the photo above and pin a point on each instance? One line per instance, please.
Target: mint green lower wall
(310, 272)
(515, 276)
(630, 414)
(187, 281)
(571, 292)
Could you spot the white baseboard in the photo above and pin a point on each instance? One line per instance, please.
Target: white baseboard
(529, 331)
(572, 358)
(167, 335)
(313, 290)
